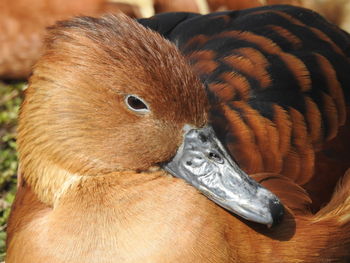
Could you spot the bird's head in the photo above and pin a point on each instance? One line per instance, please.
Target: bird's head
(109, 95)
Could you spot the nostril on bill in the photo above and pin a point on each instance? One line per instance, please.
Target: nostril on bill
(215, 157)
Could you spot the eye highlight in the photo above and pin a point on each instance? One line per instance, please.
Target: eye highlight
(136, 104)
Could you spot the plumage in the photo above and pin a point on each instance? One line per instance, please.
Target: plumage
(277, 70)
(92, 188)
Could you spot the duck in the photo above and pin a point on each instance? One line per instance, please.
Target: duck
(121, 160)
(23, 26)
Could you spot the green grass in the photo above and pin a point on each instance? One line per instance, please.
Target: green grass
(10, 99)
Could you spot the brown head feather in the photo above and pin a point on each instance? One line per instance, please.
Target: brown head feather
(74, 117)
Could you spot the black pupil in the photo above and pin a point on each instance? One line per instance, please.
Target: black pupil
(136, 103)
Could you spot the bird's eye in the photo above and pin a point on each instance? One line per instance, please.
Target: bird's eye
(134, 103)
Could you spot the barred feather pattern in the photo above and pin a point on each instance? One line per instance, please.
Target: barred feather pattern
(277, 77)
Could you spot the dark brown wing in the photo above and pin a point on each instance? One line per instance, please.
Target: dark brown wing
(277, 78)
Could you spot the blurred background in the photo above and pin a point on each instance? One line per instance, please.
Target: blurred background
(22, 29)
